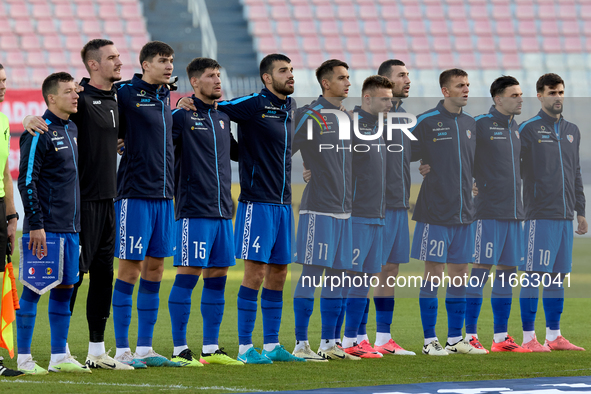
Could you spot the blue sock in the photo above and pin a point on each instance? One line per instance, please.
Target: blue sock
(25, 320)
(356, 303)
(59, 318)
(384, 312)
(330, 306)
(303, 302)
(148, 301)
(272, 306)
(553, 301)
(501, 299)
(455, 304)
(247, 314)
(179, 306)
(363, 325)
(212, 308)
(528, 300)
(122, 303)
(474, 299)
(339, 327)
(428, 304)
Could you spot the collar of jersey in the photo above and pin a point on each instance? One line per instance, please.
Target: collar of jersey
(274, 99)
(201, 105)
(547, 118)
(445, 112)
(499, 116)
(48, 115)
(369, 118)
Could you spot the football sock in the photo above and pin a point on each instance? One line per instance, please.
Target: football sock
(57, 356)
(330, 308)
(356, 303)
(429, 340)
(528, 300)
(272, 306)
(147, 312)
(501, 299)
(122, 303)
(384, 312)
(341, 318)
(528, 336)
(209, 349)
(551, 335)
(428, 304)
(300, 345)
(303, 302)
(247, 314)
(25, 320)
(59, 318)
(500, 337)
(326, 344)
(478, 279)
(179, 306)
(243, 348)
(553, 301)
(96, 348)
(178, 349)
(268, 347)
(212, 308)
(362, 331)
(455, 304)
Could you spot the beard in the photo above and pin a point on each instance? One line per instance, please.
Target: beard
(282, 88)
(555, 111)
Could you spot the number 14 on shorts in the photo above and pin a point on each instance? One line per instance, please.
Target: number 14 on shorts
(135, 245)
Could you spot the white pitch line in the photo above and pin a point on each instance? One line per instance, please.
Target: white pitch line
(144, 385)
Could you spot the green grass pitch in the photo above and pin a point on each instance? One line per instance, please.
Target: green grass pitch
(389, 370)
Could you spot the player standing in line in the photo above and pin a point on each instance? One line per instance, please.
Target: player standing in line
(145, 214)
(50, 191)
(369, 211)
(97, 121)
(264, 219)
(8, 214)
(499, 212)
(324, 229)
(203, 178)
(445, 210)
(553, 190)
(396, 232)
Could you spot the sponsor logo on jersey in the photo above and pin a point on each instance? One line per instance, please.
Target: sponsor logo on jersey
(55, 133)
(495, 124)
(96, 102)
(439, 124)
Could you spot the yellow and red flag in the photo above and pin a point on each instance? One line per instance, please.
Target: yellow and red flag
(7, 308)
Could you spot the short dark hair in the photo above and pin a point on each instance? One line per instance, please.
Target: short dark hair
(199, 65)
(551, 80)
(92, 50)
(376, 82)
(326, 69)
(153, 49)
(266, 66)
(51, 83)
(1, 66)
(501, 83)
(447, 75)
(386, 67)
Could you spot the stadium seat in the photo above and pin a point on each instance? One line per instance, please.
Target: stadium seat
(445, 61)
(303, 13)
(18, 10)
(85, 11)
(359, 61)
(45, 26)
(328, 28)
(524, 11)
(311, 44)
(402, 55)
(412, 12)
(57, 59)
(267, 44)
(78, 73)
(30, 41)
(546, 11)
(573, 45)
(313, 60)
(394, 27)
(355, 45)
(485, 44)
(280, 13)
(511, 61)
(460, 27)
(289, 43)
(463, 43)
(441, 44)
(377, 58)
(416, 27)
(567, 11)
(14, 59)
(41, 11)
(489, 60)
(296, 59)
(4, 26)
(346, 12)
(482, 27)
(131, 11)
(585, 11)
(551, 44)
(508, 44)
(68, 27)
(63, 11)
(423, 60)
(549, 28)
(254, 13)
(351, 28)
(285, 27)
(323, 12)
(398, 44)
(23, 26)
(529, 44)
(113, 26)
(73, 42)
(504, 28)
(307, 28)
(420, 44)
(125, 57)
(368, 12)
(390, 12)
(569, 27)
(438, 27)
(456, 12)
(501, 11)
(119, 40)
(35, 58)
(478, 11)
(526, 28)
(40, 72)
(335, 54)
(434, 12)
(8, 42)
(107, 11)
(137, 43)
(135, 27)
(376, 44)
(258, 28)
(372, 28)
(91, 27)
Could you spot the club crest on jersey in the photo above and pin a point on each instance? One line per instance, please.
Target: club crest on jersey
(222, 124)
(570, 138)
(517, 133)
(469, 133)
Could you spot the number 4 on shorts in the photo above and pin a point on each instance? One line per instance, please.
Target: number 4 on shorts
(256, 244)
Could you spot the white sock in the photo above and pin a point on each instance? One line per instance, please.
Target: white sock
(500, 337)
(177, 350)
(67, 348)
(300, 345)
(22, 358)
(528, 336)
(270, 346)
(121, 350)
(382, 338)
(551, 335)
(454, 340)
(142, 350)
(209, 349)
(326, 344)
(244, 348)
(339, 341)
(57, 357)
(348, 342)
(469, 336)
(429, 340)
(361, 338)
(96, 348)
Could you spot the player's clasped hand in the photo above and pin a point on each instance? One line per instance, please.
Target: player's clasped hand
(187, 104)
(35, 124)
(37, 243)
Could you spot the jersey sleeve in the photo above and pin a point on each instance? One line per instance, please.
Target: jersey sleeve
(525, 137)
(416, 147)
(33, 150)
(239, 109)
(579, 188)
(178, 123)
(299, 132)
(121, 98)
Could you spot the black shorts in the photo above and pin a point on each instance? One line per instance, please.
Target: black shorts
(97, 235)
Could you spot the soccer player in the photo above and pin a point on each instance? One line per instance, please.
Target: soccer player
(264, 218)
(324, 230)
(8, 214)
(144, 207)
(553, 191)
(49, 188)
(97, 121)
(499, 212)
(369, 211)
(203, 178)
(396, 232)
(445, 210)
